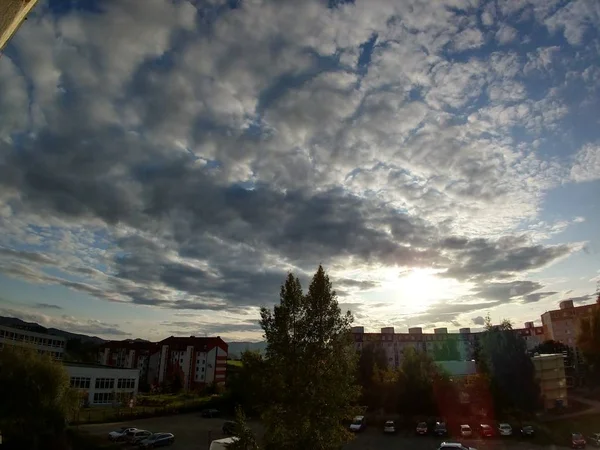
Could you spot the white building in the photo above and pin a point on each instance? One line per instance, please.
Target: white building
(103, 385)
(42, 342)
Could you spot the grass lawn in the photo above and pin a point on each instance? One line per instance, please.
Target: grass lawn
(234, 362)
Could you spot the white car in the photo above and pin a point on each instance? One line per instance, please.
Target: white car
(119, 435)
(465, 431)
(358, 423)
(504, 429)
(389, 427)
(454, 446)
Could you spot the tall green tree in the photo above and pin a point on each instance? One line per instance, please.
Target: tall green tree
(510, 369)
(311, 365)
(245, 437)
(417, 379)
(372, 363)
(247, 385)
(36, 399)
(588, 341)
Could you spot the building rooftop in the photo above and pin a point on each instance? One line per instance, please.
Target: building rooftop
(92, 365)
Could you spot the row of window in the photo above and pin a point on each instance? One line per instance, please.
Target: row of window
(55, 355)
(80, 382)
(125, 383)
(103, 397)
(13, 336)
(105, 383)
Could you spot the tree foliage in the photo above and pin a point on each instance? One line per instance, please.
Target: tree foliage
(510, 369)
(36, 399)
(310, 366)
(245, 437)
(589, 343)
(247, 385)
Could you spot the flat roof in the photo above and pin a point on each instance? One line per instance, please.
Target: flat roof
(94, 366)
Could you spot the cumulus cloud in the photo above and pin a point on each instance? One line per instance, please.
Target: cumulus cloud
(479, 320)
(187, 155)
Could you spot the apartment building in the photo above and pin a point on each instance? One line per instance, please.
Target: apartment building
(441, 345)
(563, 324)
(42, 342)
(532, 335)
(200, 360)
(131, 354)
(550, 373)
(103, 385)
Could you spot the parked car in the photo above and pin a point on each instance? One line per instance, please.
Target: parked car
(223, 444)
(120, 433)
(229, 427)
(454, 446)
(504, 429)
(577, 440)
(440, 429)
(486, 431)
(527, 431)
(595, 439)
(358, 424)
(137, 436)
(422, 428)
(390, 427)
(210, 413)
(158, 440)
(465, 431)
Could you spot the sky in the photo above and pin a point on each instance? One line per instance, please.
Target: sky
(164, 164)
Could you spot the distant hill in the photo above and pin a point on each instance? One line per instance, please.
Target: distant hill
(36, 327)
(237, 348)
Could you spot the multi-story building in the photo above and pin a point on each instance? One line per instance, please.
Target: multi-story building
(550, 373)
(441, 345)
(200, 360)
(131, 354)
(103, 385)
(563, 324)
(25, 337)
(532, 335)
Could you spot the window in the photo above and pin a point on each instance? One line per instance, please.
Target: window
(105, 383)
(80, 382)
(126, 383)
(203, 369)
(103, 397)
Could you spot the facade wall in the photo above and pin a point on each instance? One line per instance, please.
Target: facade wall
(42, 342)
(563, 325)
(103, 385)
(550, 373)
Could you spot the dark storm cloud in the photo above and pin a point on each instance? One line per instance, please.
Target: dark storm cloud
(361, 285)
(581, 298)
(537, 296)
(194, 215)
(479, 320)
(506, 291)
(480, 258)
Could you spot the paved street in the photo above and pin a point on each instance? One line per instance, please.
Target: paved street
(193, 432)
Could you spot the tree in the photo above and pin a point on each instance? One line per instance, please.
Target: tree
(247, 386)
(36, 399)
(511, 371)
(245, 438)
(416, 380)
(372, 362)
(310, 364)
(589, 343)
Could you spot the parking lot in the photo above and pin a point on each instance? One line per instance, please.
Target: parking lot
(193, 432)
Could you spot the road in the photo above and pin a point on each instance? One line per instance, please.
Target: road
(193, 432)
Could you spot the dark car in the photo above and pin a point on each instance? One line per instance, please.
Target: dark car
(229, 427)
(158, 440)
(210, 413)
(422, 428)
(527, 431)
(440, 429)
(577, 440)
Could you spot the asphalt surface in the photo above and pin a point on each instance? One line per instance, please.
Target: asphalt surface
(193, 432)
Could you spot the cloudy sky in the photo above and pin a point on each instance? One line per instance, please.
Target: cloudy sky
(164, 164)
